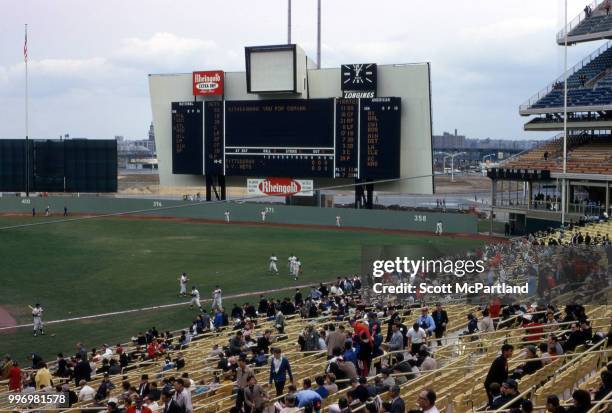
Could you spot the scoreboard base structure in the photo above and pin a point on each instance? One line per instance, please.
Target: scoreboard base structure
(218, 188)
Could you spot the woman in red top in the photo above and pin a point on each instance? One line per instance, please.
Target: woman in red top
(15, 377)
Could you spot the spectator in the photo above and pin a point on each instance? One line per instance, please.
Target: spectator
(498, 372)
(581, 402)
(396, 404)
(308, 397)
(486, 324)
(182, 397)
(440, 317)
(87, 392)
(427, 401)
(43, 376)
(509, 392)
(335, 339)
(279, 369)
(254, 396)
(606, 386)
(14, 376)
(553, 405)
(416, 338)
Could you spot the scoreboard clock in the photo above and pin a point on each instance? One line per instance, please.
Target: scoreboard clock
(358, 80)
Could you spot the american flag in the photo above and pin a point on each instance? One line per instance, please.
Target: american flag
(25, 45)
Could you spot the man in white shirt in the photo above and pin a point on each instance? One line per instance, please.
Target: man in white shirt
(272, 268)
(87, 392)
(217, 299)
(182, 396)
(416, 338)
(195, 298)
(427, 401)
(183, 284)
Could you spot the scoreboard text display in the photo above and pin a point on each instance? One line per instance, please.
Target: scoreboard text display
(298, 138)
(187, 149)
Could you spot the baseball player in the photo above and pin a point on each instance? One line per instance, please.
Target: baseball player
(195, 298)
(338, 221)
(439, 227)
(37, 313)
(272, 268)
(183, 280)
(263, 215)
(297, 266)
(47, 210)
(290, 263)
(227, 216)
(217, 298)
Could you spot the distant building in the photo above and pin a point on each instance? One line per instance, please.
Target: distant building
(449, 141)
(133, 151)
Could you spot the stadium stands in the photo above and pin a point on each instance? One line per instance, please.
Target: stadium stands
(588, 154)
(591, 25)
(589, 84)
(461, 363)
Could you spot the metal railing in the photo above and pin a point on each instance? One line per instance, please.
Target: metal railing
(577, 20)
(546, 90)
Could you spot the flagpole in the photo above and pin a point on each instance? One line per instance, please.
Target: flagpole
(27, 170)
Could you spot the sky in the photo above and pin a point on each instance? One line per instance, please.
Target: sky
(89, 60)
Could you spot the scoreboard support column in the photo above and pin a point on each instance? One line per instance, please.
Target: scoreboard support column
(210, 187)
(369, 195)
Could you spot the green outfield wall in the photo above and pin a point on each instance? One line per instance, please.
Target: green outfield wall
(244, 212)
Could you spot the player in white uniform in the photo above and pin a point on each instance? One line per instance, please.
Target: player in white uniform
(217, 298)
(263, 215)
(290, 262)
(37, 313)
(297, 265)
(183, 280)
(227, 216)
(338, 221)
(272, 268)
(439, 228)
(195, 298)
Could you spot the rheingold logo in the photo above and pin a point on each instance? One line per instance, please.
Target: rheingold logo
(208, 83)
(280, 186)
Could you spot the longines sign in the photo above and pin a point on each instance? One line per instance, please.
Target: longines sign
(359, 80)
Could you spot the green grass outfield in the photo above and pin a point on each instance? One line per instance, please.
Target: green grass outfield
(103, 265)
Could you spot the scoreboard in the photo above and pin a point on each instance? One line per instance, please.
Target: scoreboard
(187, 151)
(298, 138)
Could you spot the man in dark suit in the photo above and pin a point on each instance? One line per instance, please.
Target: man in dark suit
(498, 373)
(441, 319)
(143, 388)
(279, 369)
(169, 405)
(396, 404)
(82, 370)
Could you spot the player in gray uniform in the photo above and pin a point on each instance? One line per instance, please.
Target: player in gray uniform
(195, 298)
(183, 280)
(217, 299)
(272, 267)
(37, 313)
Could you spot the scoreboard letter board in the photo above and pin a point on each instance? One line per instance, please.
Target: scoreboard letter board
(187, 138)
(213, 146)
(290, 137)
(380, 138)
(347, 140)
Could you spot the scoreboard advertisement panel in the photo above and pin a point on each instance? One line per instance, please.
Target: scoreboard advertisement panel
(187, 142)
(297, 138)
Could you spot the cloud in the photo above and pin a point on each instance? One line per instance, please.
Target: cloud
(162, 50)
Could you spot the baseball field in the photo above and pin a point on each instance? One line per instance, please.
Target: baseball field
(97, 266)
